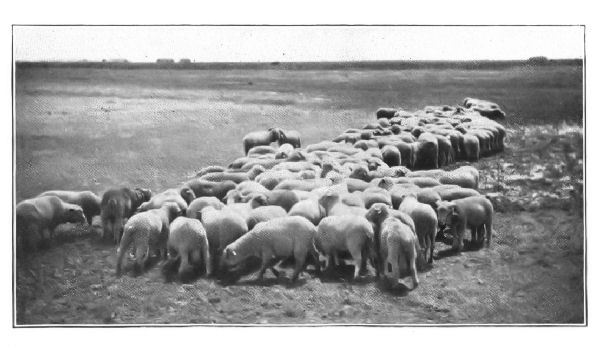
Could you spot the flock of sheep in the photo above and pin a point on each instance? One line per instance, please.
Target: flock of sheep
(374, 195)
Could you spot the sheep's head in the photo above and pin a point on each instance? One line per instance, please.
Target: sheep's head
(231, 258)
(74, 214)
(173, 210)
(445, 211)
(258, 200)
(187, 194)
(329, 199)
(377, 213)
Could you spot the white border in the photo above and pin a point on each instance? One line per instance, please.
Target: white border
(305, 12)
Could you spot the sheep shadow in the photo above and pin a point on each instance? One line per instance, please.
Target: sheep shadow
(451, 252)
(252, 266)
(133, 269)
(399, 290)
(170, 272)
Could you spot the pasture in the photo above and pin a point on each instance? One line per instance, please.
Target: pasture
(79, 129)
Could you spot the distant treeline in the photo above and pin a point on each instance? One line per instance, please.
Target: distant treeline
(350, 65)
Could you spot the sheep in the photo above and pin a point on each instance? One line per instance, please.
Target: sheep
(426, 223)
(291, 137)
(374, 195)
(117, 205)
(202, 187)
(199, 203)
(333, 206)
(263, 214)
(309, 209)
(222, 228)
(89, 202)
(397, 244)
(260, 150)
(188, 243)
(182, 197)
(474, 213)
(37, 218)
(258, 138)
(147, 231)
(278, 238)
(346, 233)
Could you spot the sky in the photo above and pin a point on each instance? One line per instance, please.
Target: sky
(298, 43)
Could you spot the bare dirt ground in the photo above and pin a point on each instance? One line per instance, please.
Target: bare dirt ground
(97, 129)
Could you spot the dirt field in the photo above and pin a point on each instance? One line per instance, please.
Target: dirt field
(98, 128)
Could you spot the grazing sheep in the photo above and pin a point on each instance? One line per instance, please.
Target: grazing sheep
(146, 232)
(291, 137)
(451, 194)
(309, 209)
(117, 205)
(284, 151)
(474, 212)
(386, 113)
(306, 185)
(279, 238)
(208, 169)
(346, 233)
(236, 177)
(250, 187)
(470, 147)
(260, 150)
(397, 245)
(257, 138)
(202, 187)
(37, 218)
(182, 197)
(188, 243)
(222, 228)
(334, 206)
(427, 151)
(89, 202)
(198, 204)
(391, 155)
(263, 214)
(373, 195)
(243, 208)
(426, 223)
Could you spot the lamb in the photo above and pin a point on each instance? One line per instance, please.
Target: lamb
(309, 209)
(426, 222)
(188, 243)
(147, 231)
(346, 233)
(397, 245)
(199, 203)
(263, 214)
(278, 238)
(222, 228)
(334, 206)
(474, 212)
(181, 197)
(89, 202)
(36, 219)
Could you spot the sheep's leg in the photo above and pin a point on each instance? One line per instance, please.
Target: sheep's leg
(273, 268)
(313, 252)
(488, 232)
(300, 260)
(357, 260)
(413, 270)
(431, 248)
(266, 261)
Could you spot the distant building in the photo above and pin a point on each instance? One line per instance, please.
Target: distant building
(185, 61)
(118, 61)
(165, 61)
(541, 60)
